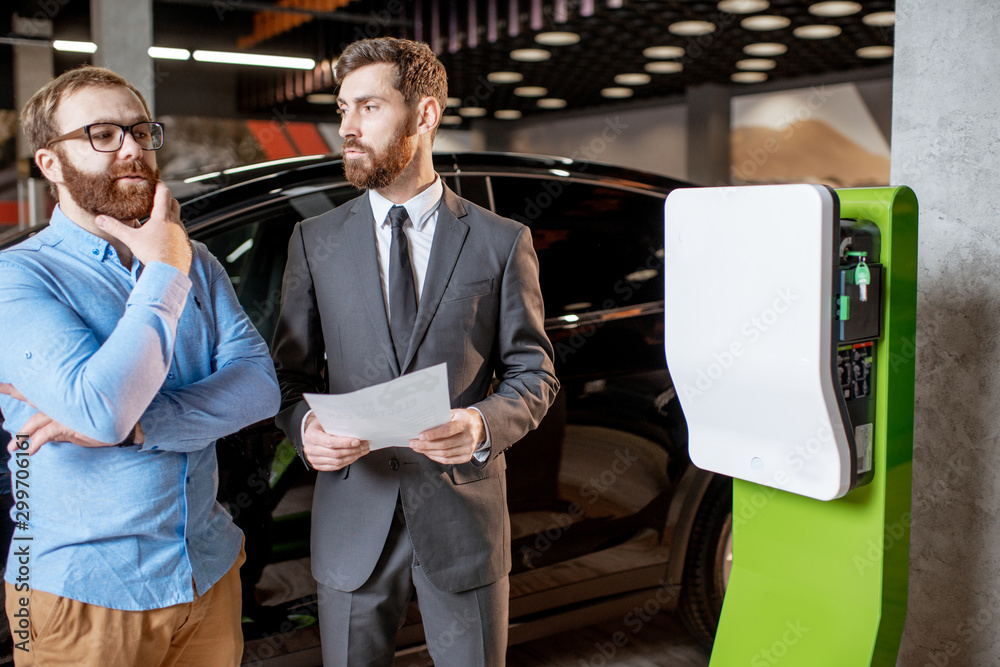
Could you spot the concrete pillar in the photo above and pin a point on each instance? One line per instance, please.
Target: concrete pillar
(33, 68)
(708, 147)
(123, 32)
(946, 146)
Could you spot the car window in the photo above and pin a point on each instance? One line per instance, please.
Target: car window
(598, 247)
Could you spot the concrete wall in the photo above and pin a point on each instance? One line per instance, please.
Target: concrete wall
(945, 146)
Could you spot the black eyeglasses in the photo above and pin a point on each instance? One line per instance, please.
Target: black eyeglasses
(108, 137)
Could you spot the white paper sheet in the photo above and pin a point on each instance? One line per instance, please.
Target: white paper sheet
(389, 414)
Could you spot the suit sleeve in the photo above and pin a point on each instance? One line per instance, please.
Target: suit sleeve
(528, 384)
(297, 347)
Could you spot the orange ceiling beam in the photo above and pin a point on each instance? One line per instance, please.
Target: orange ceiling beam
(271, 24)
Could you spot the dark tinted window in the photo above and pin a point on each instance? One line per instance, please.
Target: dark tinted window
(598, 247)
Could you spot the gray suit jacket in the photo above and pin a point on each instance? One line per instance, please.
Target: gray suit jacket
(481, 312)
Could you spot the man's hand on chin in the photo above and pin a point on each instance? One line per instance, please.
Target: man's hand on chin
(163, 237)
(453, 442)
(328, 452)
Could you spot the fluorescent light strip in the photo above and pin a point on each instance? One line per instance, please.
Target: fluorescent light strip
(254, 59)
(76, 47)
(167, 53)
(261, 165)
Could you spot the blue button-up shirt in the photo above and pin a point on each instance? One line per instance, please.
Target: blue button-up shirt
(98, 347)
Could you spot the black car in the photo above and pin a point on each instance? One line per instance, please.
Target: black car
(609, 518)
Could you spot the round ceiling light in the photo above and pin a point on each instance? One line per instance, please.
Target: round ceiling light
(551, 103)
(765, 49)
(507, 114)
(617, 93)
(531, 91)
(472, 112)
(663, 67)
(632, 79)
(834, 8)
(451, 120)
(530, 55)
(874, 52)
(504, 77)
(662, 52)
(880, 19)
(749, 77)
(454, 101)
(755, 64)
(692, 28)
(743, 6)
(557, 38)
(765, 22)
(816, 31)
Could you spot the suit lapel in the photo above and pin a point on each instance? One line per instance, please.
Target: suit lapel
(449, 237)
(361, 231)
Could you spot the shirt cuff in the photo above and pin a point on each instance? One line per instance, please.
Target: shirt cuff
(482, 454)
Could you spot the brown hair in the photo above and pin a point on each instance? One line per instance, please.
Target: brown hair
(419, 73)
(37, 117)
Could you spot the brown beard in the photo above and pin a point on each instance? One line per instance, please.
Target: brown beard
(383, 166)
(102, 194)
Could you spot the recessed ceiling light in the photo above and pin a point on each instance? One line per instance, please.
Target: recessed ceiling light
(451, 120)
(321, 98)
(765, 22)
(75, 47)
(472, 112)
(834, 8)
(765, 49)
(551, 103)
(816, 31)
(663, 52)
(749, 77)
(454, 101)
(557, 38)
(874, 52)
(743, 6)
(167, 53)
(632, 79)
(663, 67)
(880, 19)
(691, 28)
(531, 91)
(617, 93)
(755, 64)
(504, 77)
(507, 114)
(530, 55)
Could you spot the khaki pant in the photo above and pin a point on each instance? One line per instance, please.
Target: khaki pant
(61, 631)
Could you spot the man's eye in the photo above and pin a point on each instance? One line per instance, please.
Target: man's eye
(370, 107)
(100, 135)
(341, 112)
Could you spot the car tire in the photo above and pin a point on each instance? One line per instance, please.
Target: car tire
(708, 561)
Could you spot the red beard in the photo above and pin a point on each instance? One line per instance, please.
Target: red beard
(383, 167)
(103, 194)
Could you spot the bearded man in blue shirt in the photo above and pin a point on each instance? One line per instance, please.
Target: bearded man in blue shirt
(125, 356)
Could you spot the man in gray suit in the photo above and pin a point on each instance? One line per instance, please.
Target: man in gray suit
(404, 277)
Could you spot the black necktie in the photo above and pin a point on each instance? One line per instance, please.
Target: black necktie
(402, 292)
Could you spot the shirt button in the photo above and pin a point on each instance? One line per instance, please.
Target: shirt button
(27, 355)
(96, 251)
(170, 376)
(393, 464)
(154, 447)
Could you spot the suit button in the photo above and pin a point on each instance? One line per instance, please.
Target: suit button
(393, 464)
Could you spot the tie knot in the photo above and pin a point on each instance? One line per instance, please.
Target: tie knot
(397, 216)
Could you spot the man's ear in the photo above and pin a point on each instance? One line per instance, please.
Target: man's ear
(429, 115)
(49, 164)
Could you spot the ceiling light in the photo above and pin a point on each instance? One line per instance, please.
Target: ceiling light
(256, 59)
(551, 103)
(557, 38)
(880, 19)
(632, 79)
(756, 64)
(663, 52)
(765, 49)
(507, 114)
(530, 55)
(454, 102)
(504, 77)
(874, 52)
(321, 98)
(617, 93)
(834, 8)
(691, 28)
(765, 22)
(743, 6)
(749, 77)
(816, 31)
(531, 91)
(167, 53)
(75, 47)
(472, 112)
(663, 67)
(451, 120)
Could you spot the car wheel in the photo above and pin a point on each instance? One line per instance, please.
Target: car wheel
(709, 561)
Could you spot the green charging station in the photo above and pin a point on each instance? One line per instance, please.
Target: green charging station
(812, 416)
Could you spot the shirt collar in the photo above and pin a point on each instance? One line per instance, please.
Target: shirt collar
(419, 208)
(76, 237)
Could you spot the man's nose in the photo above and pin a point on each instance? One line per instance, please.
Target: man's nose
(348, 125)
(130, 148)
